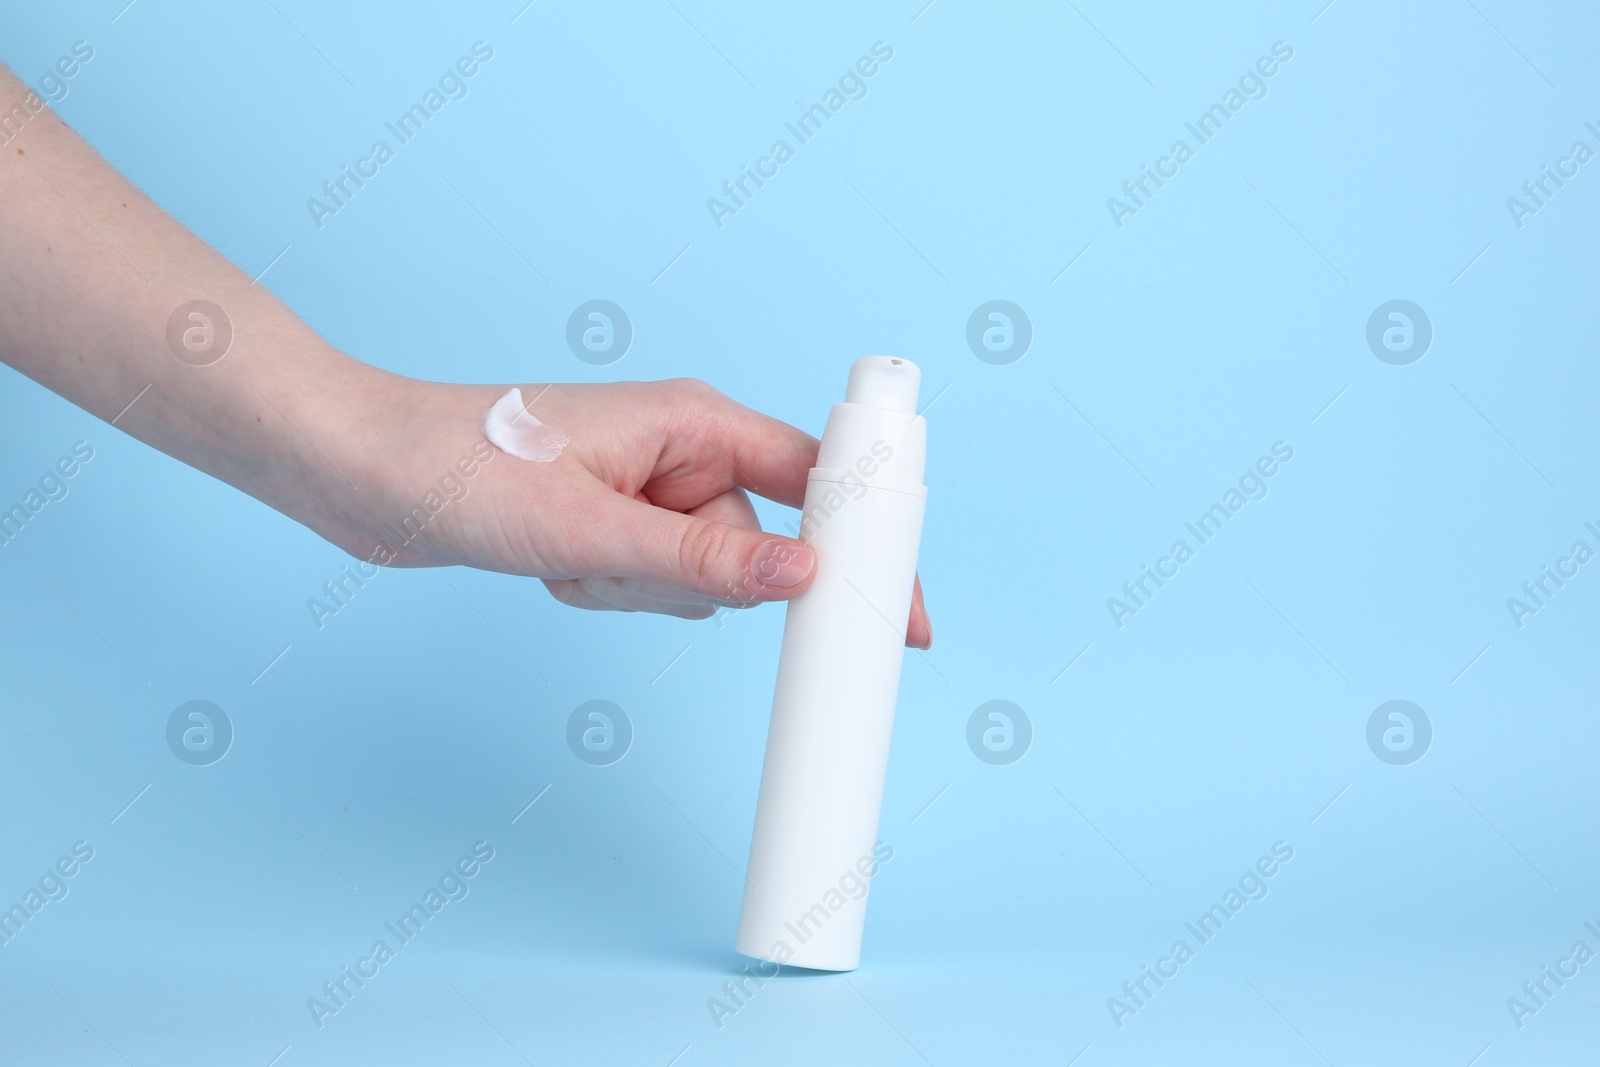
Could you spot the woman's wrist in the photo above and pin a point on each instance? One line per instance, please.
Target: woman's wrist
(314, 437)
(374, 448)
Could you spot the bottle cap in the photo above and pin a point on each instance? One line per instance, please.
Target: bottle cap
(876, 436)
(884, 382)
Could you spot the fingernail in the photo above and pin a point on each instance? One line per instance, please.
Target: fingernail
(781, 564)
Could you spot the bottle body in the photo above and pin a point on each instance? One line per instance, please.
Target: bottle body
(815, 845)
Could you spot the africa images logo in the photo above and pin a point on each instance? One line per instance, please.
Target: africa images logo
(199, 733)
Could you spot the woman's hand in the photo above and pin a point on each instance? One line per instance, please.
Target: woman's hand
(645, 509)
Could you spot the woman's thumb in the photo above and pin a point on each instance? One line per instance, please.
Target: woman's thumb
(716, 560)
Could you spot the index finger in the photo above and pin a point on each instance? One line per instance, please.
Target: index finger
(759, 453)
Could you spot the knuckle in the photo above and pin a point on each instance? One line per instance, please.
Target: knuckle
(702, 548)
(692, 391)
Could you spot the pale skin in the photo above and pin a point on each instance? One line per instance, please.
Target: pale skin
(647, 509)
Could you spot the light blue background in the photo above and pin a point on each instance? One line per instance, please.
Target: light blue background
(1223, 317)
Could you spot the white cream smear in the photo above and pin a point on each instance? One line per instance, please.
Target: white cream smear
(511, 429)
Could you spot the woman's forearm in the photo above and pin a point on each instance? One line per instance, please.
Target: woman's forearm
(92, 273)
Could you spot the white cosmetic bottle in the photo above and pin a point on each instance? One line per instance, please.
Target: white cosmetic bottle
(812, 852)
